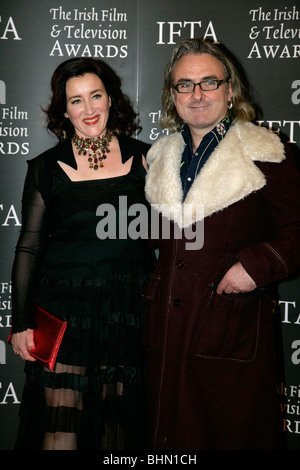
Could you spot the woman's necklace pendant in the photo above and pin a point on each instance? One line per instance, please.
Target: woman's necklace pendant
(95, 148)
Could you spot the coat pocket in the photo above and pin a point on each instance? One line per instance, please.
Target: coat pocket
(151, 323)
(228, 328)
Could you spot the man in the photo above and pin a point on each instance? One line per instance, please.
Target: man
(209, 325)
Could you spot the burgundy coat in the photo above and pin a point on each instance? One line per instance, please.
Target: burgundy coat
(211, 358)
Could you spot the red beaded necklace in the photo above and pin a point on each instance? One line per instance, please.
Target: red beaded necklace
(95, 147)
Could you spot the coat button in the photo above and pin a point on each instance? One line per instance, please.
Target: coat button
(176, 302)
(180, 264)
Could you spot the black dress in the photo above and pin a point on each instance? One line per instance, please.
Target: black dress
(94, 398)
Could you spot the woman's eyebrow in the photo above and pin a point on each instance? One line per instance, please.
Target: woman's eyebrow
(79, 96)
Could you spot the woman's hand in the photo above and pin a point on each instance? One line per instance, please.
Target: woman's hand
(236, 281)
(22, 344)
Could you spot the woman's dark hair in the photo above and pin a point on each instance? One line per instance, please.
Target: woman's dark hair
(122, 117)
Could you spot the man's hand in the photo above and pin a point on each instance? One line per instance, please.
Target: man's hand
(236, 281)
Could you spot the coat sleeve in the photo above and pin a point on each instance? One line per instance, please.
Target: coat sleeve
(28, 250)
(278, 257)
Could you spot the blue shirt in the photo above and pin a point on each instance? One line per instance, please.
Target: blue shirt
(191, 163)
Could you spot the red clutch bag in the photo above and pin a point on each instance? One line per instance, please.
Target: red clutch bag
(48, 335)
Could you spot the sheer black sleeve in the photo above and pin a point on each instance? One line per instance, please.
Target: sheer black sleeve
(28, 250)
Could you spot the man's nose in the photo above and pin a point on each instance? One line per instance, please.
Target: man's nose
(197, 93)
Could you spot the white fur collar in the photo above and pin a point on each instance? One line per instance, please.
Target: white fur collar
(228, 176)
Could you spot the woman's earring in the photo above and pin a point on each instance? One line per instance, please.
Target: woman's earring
(229, 104)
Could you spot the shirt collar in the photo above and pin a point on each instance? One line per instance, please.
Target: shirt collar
(218, 132)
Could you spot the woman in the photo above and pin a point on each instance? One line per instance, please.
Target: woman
(94, 398)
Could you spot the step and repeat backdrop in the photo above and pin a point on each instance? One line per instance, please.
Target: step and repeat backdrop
(136, 37)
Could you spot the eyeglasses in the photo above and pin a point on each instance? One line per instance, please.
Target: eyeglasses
(205, 85)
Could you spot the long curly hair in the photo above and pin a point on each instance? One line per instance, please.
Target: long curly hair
(122, 117)
(242, 101)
